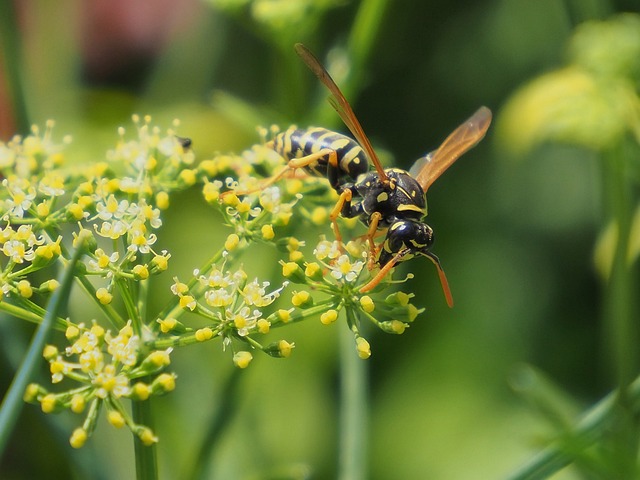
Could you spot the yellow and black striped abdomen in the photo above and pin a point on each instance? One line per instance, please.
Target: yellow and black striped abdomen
(301, 142)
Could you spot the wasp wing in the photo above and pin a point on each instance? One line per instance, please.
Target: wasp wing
(429, 168)
(341, 105)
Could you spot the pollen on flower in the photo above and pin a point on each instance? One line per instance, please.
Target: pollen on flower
(43, 209)
(76, 211)
(242, 359)
(285, 348)
(329, 317)
(146, 436)
(140, 391)
(366, 302)
(115, 418)
(103, 295)
(188, 177)
(296, 256)
(78, 403)
(211, 191)
(187, 301)
(48, 403)
(166, 382)
(179, 288)
(363, 348)
(159, 358)
(167, 324)
(264, 326)
(24, 289)
(50, 285)
(232, 242)
(204, 334)
(71, 332)
(289, 268)
(231, 200)
(162, 200)
(161, 262)
(141, 272)
(267, 232)
(31, 392)
(284, 315)
(78, 438)
(300, 298)
(398, 327)
(313, 270)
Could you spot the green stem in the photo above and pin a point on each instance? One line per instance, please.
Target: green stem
(29, 316)
(613, 421)
(353, 408)
(220, 420)
(146, 456)
(620, 311)
(12, 403)
(594, 424)
(363, 34)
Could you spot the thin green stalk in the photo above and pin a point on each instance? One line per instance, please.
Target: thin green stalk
(613, 420)
(146, 456)
(366, 27)
(367, 24)
(620, 311)
(594, 424)
(222, 416)
(12, 403)
(620, 314)
(353, 408)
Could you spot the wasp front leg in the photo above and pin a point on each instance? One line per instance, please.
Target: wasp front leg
(374, 221)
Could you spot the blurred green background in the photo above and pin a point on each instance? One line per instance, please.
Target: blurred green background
(517, 219)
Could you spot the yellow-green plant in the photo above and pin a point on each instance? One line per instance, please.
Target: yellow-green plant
(100, 223)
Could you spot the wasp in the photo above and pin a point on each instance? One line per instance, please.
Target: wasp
(388, 199)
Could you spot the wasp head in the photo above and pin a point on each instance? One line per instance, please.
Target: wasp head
(408, 238)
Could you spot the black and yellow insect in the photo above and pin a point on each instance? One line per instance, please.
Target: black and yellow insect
(391, 199)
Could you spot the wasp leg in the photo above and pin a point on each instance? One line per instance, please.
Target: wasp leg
(345, 198)
(371, 233)
(292, 165)
(375, 281)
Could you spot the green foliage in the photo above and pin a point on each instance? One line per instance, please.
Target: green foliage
(172, 307)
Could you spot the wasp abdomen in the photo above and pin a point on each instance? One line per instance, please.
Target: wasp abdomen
(301, 142)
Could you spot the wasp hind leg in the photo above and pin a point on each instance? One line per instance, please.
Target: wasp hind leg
(291, 166)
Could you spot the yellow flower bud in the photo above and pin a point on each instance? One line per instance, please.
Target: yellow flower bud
(363, 348)
(366, 302)
(232, 242)
(78, 403)
(204, 334)
(141, 391)
(301, 298)
(115, 418)
(267, 232)
(141, 272)
(242, 359)
(78, 438)
(329, 317)
(104, 296)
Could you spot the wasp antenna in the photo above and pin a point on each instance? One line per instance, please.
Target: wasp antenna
(443, 278)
